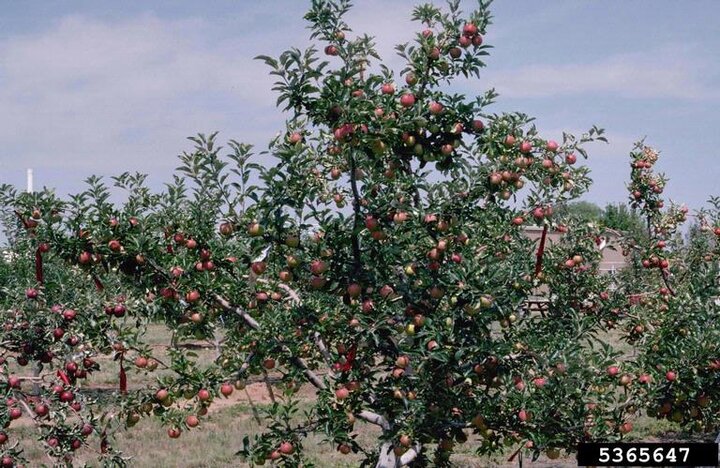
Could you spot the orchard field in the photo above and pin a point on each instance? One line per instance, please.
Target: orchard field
(361, 300)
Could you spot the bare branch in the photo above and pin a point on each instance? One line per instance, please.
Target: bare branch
(410, 455)
(323, 349)
(309, 374)
(252, 323)
(374, 418)
(27, 408)
(294, 296)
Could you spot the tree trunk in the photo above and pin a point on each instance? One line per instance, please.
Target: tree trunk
(388, 459)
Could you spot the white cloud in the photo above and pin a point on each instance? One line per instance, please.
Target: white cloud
(664, 73)
(87, 92)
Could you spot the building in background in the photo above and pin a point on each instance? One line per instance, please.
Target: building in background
(612, 257)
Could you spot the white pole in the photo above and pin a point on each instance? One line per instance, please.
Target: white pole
(30, 180)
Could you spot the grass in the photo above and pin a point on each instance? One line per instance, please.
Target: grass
(219, 437)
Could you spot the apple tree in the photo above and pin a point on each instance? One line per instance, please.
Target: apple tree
(671, 308)
(376, 251)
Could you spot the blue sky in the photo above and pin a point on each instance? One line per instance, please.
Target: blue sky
(100, 87)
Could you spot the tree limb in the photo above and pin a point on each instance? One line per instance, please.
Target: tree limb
(252, 323)
(374, 418)
(410, 455)
(296, 361)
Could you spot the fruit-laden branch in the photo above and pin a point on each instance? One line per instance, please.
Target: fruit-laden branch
(666, 280)
(252, 323)
(365, 415)
(319, 342)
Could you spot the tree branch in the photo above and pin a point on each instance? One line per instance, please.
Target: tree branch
(374, 418)
(296, 361)
(252, 323)
(665, 278)
(295, 297)
(410, 455)
(357, 222)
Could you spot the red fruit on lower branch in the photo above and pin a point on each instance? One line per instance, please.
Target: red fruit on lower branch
(203, 395)
(226, 389)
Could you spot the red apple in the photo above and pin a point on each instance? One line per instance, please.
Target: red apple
(192, 296)
(387, 88)
(386, 291)
(203, 395)
(539, 382)
(86, 429)
(286, 448)
(407, 100)
(470, 29)
(226, 389)
(354, 290)
(41, 410)
(342, 393)
(258, 267)
(318, 267)
(13, 381)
